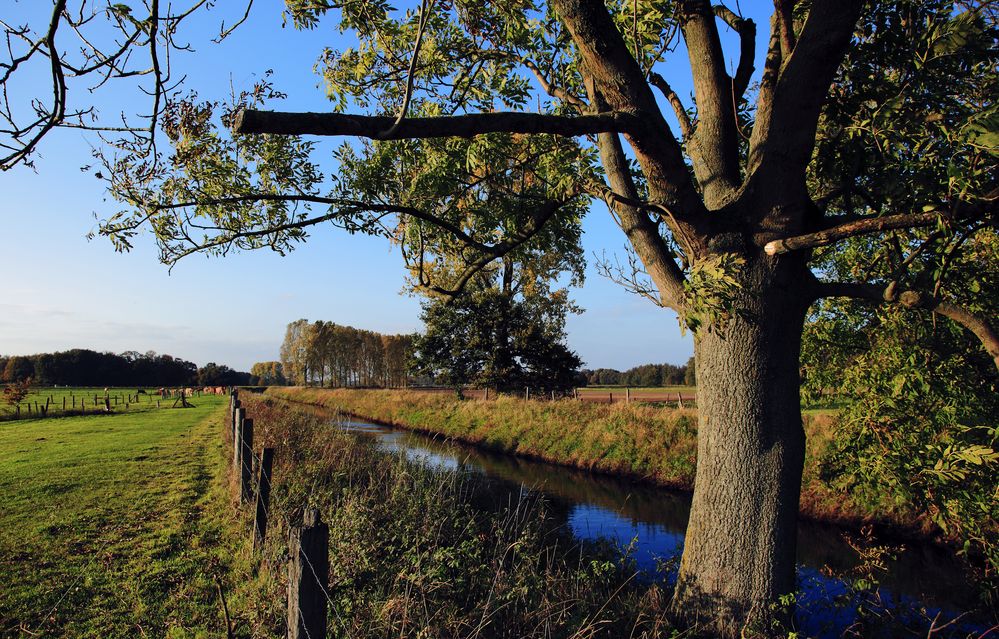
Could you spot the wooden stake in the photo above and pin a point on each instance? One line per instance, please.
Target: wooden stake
(246, 460)
(308, 575)
(263, 498)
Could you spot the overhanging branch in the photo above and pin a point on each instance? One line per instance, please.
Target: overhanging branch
(374, 127)
(913, 299)
(851, 229)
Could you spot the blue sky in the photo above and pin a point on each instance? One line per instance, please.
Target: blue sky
(62, 291)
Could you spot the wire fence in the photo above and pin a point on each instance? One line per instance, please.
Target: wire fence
(65, 402)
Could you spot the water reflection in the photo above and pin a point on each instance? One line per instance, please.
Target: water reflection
(651, 521)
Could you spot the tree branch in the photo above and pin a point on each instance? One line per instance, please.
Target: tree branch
(853, 228)
(373, 126)
(615, 73)
(784, 134)
(714, 146)
(747, 48)
(912, 299)
(686, 126)
(552, 90)
(784, 10)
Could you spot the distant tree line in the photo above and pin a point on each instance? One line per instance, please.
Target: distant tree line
(84, 367)
(268, 374)
(327, 354)
(644, 375)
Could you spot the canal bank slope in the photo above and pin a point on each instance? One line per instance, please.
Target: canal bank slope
(641, 441)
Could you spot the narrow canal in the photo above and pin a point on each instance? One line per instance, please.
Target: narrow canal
(925, 579)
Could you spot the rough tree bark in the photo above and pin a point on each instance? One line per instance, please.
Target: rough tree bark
(739, 553)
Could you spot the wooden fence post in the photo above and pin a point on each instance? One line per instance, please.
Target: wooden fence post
(246, 460)
(308, 574)
(527, 393)
(627, 395)
(263, 498)
(679, 401)
(237, 446)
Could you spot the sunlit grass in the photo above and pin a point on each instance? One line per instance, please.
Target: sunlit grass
(114, 525)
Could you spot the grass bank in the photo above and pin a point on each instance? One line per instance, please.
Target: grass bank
(641, 441)
(117, 525)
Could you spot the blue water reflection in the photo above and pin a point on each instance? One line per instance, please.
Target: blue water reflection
(650, 522)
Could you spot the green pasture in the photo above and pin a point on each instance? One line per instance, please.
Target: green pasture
(115, 525)
(84, 397)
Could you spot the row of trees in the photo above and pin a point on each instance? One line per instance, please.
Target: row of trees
(84, 367)
(327, 354)
(644, 375)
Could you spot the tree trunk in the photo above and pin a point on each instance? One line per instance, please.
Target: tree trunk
(739, 553)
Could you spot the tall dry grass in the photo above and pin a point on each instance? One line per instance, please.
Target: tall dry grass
(416, 552)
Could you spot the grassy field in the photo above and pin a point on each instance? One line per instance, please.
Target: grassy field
(82, 400)
(116, 525)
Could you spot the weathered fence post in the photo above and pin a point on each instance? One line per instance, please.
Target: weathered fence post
(527, 393)
(237, 445)
(610, 398)
(627, 395)
(246, 460)
(263, 498)
(308, 574)
(679, 401)
(64, 403)
(575, 393)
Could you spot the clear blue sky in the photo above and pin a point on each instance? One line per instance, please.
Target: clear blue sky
(60, 291)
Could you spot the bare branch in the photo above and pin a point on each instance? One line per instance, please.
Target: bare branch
(364, 126)
(315, 199)
(615, 73)
(747, 48)
(425, 7)
(714, 146)
(784, 134)
(659, 82)
(550, 89)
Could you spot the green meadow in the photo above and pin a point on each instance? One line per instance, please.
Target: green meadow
(115, 525)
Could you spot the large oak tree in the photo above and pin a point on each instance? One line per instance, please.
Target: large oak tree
(724, 214)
